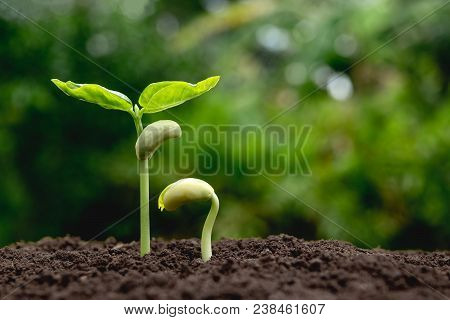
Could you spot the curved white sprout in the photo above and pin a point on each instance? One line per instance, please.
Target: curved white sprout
(188, 190)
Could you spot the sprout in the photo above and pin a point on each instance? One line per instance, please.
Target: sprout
(156, 97)
(147, 143)
(188, 190)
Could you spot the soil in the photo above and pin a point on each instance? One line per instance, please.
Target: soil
(277, 267)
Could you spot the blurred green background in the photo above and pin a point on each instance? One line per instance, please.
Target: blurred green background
(378, 149)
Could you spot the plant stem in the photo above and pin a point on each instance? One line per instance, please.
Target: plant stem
(137, 122)
(207, 228)
(144, 187)
(144, 205)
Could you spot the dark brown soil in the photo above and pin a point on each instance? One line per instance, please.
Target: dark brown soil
(278, 267)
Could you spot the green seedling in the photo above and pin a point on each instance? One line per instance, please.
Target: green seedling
(156, 97)
(188, 190)
(147, 143)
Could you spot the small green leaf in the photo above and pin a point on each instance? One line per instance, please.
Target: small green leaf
(167, 94)
(94, 93)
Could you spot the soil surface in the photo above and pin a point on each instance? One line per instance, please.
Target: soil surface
(278, 267)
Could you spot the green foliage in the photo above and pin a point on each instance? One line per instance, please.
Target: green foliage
(156, 97)
(167, 94)
(94, 93)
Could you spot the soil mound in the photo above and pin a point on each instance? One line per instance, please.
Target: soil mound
(277, 267)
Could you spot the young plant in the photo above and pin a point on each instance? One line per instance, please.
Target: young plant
(156, 97)
(188, 190)
(147, 143)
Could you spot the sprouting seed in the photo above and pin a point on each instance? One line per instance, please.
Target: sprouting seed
(189, 190)
(156, 97)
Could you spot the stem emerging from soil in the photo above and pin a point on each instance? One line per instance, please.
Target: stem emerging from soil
(144, 187)
(207, 228)
(144, 201)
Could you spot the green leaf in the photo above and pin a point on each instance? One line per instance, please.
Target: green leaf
(167, 94)
(94, 93)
